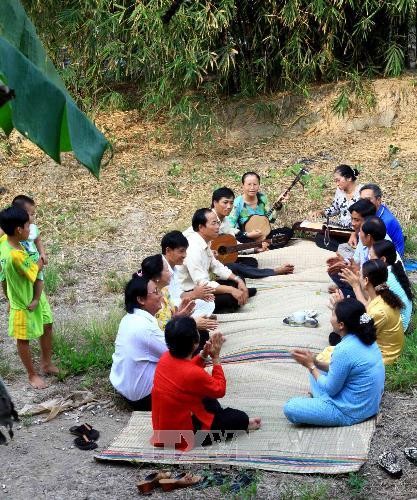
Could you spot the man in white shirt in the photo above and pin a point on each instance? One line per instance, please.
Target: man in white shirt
(139, 344)
(174, 250)
(230, 291)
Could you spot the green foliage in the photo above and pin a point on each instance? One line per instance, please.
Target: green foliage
(307, 491)
(402, 376)
(209, 49)
(114, 282)
(356, 483)
(357, 91)
(175, 169)
(52, 279)
(393, 150)
(84, 346)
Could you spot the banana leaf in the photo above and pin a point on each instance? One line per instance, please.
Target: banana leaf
(42, 110)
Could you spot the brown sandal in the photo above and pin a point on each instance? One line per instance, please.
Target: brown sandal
(182, 480)
(151, 481)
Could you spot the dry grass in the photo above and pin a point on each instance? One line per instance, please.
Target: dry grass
(150, 174)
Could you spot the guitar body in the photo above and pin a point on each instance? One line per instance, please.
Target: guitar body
(260, 223)
(227, 247)
(221, 245)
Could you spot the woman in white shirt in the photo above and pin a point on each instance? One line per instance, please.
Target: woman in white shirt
(139, 344)
(347, 193)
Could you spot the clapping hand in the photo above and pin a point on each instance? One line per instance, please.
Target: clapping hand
(303, 357)
(186, 308)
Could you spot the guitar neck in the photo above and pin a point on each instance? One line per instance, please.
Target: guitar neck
(246, 246)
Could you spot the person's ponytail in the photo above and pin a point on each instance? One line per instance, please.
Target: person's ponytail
(388, 296)
(352, 314)
(386, 248)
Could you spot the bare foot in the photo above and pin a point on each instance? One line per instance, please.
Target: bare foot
(285, 269)
(254, 424)
(50, 369)
(32, 306)
(37, 382)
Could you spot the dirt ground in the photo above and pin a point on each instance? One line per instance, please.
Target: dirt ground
(152, 185)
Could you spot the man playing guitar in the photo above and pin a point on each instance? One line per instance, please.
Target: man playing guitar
(247, 267)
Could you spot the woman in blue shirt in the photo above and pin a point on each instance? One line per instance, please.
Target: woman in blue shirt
(352, 389)
(397, 281)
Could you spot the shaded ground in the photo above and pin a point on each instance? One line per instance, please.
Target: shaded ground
(98, 232)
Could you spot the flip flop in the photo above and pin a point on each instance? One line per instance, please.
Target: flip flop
(83, 443)
(411, 455)
(183, 480)
(388, 461)
(85, 430)
(150, 482)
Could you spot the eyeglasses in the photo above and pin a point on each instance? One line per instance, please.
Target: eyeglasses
(215, 223)
(156, 292)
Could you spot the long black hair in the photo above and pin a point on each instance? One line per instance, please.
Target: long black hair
(377, 273)
(136, 287)
(386, 248)
(349, 311)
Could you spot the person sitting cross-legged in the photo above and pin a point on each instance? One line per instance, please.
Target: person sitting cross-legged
(352, 389)
(247, 267)
(185, 410)
(382, 304)
(230, 291)
(139, 344)
(373, 193)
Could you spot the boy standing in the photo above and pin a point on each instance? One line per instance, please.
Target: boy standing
(19, 273)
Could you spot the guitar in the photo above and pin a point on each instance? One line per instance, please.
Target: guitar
(227, 246)
(261, 222)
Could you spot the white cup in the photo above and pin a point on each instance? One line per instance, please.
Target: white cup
(299, 316)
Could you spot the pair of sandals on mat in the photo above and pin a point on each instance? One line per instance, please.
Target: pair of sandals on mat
(389, 461)
(87, 436)
(167, 481)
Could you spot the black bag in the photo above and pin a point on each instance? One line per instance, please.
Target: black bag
(7, 413)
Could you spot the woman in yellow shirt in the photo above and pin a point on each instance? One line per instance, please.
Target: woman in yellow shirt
(383, 305)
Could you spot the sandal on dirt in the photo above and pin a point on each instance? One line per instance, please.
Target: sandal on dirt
(85, 430)
(151, 481)
(389, 463)
(183, 480)
(411, 455)
(83, 443)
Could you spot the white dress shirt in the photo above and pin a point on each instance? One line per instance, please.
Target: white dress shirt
(199, 263)
(202, 307)
(139, 345)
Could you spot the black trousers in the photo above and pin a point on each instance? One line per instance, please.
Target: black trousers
(226, 423)
(247, 267)
(144, 404)
(287, 232)
(345, 288)
(225, 302)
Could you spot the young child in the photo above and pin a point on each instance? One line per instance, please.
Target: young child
(33, 245)
(18, 273)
